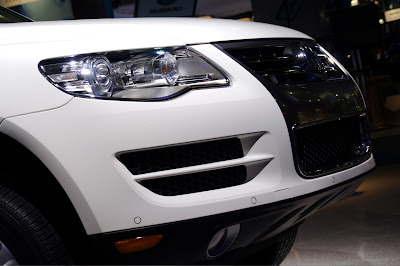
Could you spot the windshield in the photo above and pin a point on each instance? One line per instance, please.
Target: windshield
(9, 16)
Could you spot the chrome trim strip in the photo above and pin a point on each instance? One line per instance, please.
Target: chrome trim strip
(253, 162)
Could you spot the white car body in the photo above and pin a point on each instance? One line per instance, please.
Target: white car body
(78, 139)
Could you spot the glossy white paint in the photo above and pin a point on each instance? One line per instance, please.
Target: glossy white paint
(85, 135)
(143, 31)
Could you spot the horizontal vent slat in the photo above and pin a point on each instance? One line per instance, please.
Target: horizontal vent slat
(196, 182)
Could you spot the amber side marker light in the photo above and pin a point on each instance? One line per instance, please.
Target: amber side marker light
(137, 244)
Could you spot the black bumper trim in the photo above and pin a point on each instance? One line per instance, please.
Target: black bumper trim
(186, 242)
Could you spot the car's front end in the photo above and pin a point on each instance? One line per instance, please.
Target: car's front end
(212, 136)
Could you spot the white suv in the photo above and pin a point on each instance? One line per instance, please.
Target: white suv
(175, 140)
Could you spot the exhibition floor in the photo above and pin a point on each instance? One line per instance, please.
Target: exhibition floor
(361, 230)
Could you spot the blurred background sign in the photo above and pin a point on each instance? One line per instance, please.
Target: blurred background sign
(392, 15)
(165, 8)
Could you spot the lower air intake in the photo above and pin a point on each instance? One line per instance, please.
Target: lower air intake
(331, 146)
(184, 155)
(196, 182)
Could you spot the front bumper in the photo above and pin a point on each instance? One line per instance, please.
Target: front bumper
(186, 242)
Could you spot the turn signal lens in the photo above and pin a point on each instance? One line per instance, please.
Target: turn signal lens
(137, 244)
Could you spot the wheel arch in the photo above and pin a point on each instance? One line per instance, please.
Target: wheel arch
(29, 169)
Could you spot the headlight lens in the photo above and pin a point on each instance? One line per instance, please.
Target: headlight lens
(152, 74)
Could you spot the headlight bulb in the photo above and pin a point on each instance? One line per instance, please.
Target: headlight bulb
(102, 76)
(98, 71)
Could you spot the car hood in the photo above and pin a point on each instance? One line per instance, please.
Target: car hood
(142, 30)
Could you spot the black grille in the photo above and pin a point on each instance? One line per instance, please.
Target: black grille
(309, 87)
(330, 146)
(196, 182)
(154, 160)
(286, 62)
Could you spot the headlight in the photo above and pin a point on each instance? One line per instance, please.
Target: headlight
(152, 74)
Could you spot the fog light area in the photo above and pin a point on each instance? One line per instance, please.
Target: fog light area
(223, 240)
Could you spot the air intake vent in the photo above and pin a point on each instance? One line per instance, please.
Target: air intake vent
(196, 182)
(195, 167)
(160, 159)
(331, 146)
